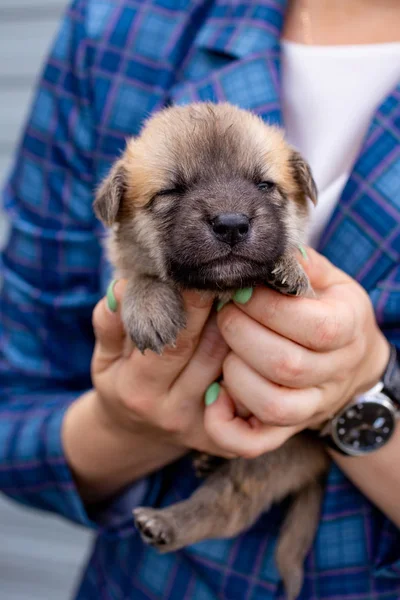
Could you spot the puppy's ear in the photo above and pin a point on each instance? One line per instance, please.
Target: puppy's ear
(303, 176)
(110, 193)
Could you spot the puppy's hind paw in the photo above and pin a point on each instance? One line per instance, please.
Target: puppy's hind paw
(154, 529)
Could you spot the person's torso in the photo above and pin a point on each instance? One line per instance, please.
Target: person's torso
(145, 56)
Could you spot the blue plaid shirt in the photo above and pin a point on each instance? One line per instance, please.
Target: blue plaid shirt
(112, 63)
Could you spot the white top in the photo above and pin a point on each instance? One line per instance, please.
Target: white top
(330, 94)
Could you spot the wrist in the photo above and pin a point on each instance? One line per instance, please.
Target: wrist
(105, 457)
(373, 369)
(368, 421)
(124, 426)
(375, 365)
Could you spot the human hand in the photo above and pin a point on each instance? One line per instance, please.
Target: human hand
(158, 397)
(294, 362)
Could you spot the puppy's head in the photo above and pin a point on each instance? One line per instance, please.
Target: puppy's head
(208, 196)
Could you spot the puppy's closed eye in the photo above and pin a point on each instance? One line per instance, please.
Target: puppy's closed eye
(266, 185)
(179, 189)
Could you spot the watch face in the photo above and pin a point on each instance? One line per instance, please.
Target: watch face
(365, 426)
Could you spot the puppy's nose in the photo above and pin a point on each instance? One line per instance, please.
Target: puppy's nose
(231, 228)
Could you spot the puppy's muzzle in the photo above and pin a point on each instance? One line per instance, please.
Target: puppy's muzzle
(230, 228)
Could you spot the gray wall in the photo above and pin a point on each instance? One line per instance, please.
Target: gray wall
(40, 555)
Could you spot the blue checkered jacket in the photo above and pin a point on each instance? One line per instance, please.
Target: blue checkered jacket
(112, 63)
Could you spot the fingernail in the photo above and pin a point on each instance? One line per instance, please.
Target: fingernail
(111, 299)
(212, 394)
(303, 252)
(243, 296)
(221, 304)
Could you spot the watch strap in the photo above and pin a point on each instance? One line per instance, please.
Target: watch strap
(327, 439)
(391, 376)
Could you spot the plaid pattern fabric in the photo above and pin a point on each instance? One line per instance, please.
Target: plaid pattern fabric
(113, 63)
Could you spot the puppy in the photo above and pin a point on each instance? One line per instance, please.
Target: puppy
(209, 197)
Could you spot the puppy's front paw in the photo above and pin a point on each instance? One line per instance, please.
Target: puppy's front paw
(292, 284)
(154, 331)
(153, 316)
(154, 529)
(288, 277)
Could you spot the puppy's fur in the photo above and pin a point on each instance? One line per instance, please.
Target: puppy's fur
(163, 201)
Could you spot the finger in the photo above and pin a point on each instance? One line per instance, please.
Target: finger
(248, 439)
(278, 358)
(200, 441)
(320, 324)
(107, 325)
(205, 365)
(270, 403)
(159, 372)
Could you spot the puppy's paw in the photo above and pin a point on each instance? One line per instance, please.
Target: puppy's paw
(292, 284)
(288, 277)
(205, 464)
(154, 528)
(155, 331)
(153, 317)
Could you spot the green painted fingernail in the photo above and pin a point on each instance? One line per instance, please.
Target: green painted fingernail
(111, 299)
(303, 252)
(221, 304)
(212, 394)
(243, 296)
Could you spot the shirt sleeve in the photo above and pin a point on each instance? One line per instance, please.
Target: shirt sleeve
(387, 558)
(386, 539)
(50, 272)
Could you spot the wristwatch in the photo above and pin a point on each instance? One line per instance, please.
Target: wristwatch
(369, 420)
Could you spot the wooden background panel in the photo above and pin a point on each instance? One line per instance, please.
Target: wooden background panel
(23, 46)
(14, 106)
(27, 29)
(40, 556)
(31, 8)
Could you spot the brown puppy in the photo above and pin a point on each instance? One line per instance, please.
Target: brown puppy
(209, 197)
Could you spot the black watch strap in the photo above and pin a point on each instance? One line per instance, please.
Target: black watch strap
(391, 376)
(328, 441)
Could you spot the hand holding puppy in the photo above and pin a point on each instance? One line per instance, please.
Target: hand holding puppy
(294, 362)
(153, 394)
(144, 411)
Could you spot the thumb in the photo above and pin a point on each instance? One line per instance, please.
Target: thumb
(321, 272)
(107, 325)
